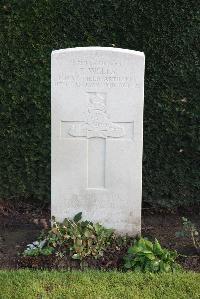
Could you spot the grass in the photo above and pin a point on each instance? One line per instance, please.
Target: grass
(96, 284)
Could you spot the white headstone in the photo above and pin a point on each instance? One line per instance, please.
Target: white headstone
(97, 134)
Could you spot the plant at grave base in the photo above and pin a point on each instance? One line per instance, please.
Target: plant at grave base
(191, 231)
(147, 256)
(78, 238)
(38, 248)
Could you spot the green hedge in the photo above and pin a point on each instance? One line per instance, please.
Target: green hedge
(166, 31)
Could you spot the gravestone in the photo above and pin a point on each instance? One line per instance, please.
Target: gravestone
(97, 134)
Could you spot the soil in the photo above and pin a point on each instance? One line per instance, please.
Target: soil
(21, 223)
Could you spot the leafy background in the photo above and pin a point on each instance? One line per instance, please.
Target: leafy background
(168, 32)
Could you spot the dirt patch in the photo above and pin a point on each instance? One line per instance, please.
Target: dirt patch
(22, 223)
(164, 228)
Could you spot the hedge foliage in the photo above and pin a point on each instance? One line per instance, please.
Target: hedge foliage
(166, 31)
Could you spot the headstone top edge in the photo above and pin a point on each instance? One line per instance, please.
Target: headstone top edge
(109, 49)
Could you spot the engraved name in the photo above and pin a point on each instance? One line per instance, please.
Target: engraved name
(95, 73)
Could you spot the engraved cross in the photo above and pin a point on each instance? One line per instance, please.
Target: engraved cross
(97, 129)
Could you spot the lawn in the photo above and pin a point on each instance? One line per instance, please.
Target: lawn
(96, 284)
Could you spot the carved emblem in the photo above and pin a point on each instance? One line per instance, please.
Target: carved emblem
(98, 123)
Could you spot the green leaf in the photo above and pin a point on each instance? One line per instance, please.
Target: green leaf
(155, 266)
(150, 256)
(157, 247)
(141, 243)
(148, 244)
(166, 267)
(128, 265)
(147, 252)
(77, 217)
(136, 249)
(88, 234)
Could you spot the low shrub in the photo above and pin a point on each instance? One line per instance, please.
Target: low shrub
(150, 257)
(85, 241)
(75, 238)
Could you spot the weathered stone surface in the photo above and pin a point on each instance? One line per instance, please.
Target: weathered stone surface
(97, 133)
